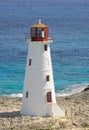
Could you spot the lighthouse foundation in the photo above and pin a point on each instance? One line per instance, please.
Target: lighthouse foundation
(52, 110)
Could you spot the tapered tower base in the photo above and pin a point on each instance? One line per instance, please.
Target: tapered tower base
(54, 110)
(51, 110)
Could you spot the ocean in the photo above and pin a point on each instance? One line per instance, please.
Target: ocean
(68, 21)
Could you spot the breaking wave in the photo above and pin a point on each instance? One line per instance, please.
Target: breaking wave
(73, 89)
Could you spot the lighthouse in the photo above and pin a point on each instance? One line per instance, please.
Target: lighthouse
(39, 92)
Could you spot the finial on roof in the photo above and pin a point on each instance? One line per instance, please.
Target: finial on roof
(39, 21)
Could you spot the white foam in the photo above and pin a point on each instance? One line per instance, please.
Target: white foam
(76, 88)
(14, 95)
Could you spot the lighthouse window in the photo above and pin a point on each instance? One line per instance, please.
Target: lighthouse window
(43, 34)
(45, 47)
(26, 94)
(33, 32)
(49, 97)
(47, 77)
(40, 32)
(30, 61)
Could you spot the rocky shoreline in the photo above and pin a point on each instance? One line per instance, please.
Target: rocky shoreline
(76, 109)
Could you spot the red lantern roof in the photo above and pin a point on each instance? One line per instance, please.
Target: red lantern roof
(39, 25)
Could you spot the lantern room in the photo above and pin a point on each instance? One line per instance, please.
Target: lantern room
(39, 32)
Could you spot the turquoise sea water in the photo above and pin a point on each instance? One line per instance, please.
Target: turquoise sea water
(69, 24)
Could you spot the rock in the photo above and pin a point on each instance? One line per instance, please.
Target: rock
(75, 124)
(67, 98)
(87, 88)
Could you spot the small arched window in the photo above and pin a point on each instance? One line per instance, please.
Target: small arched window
(30, 60)
(48, 78)
(45, 47)
(26, 94)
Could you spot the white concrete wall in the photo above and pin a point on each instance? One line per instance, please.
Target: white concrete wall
(35, 81)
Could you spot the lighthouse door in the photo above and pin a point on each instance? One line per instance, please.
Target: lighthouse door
(49, 97)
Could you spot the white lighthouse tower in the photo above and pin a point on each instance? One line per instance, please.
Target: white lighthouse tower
(39, 93)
